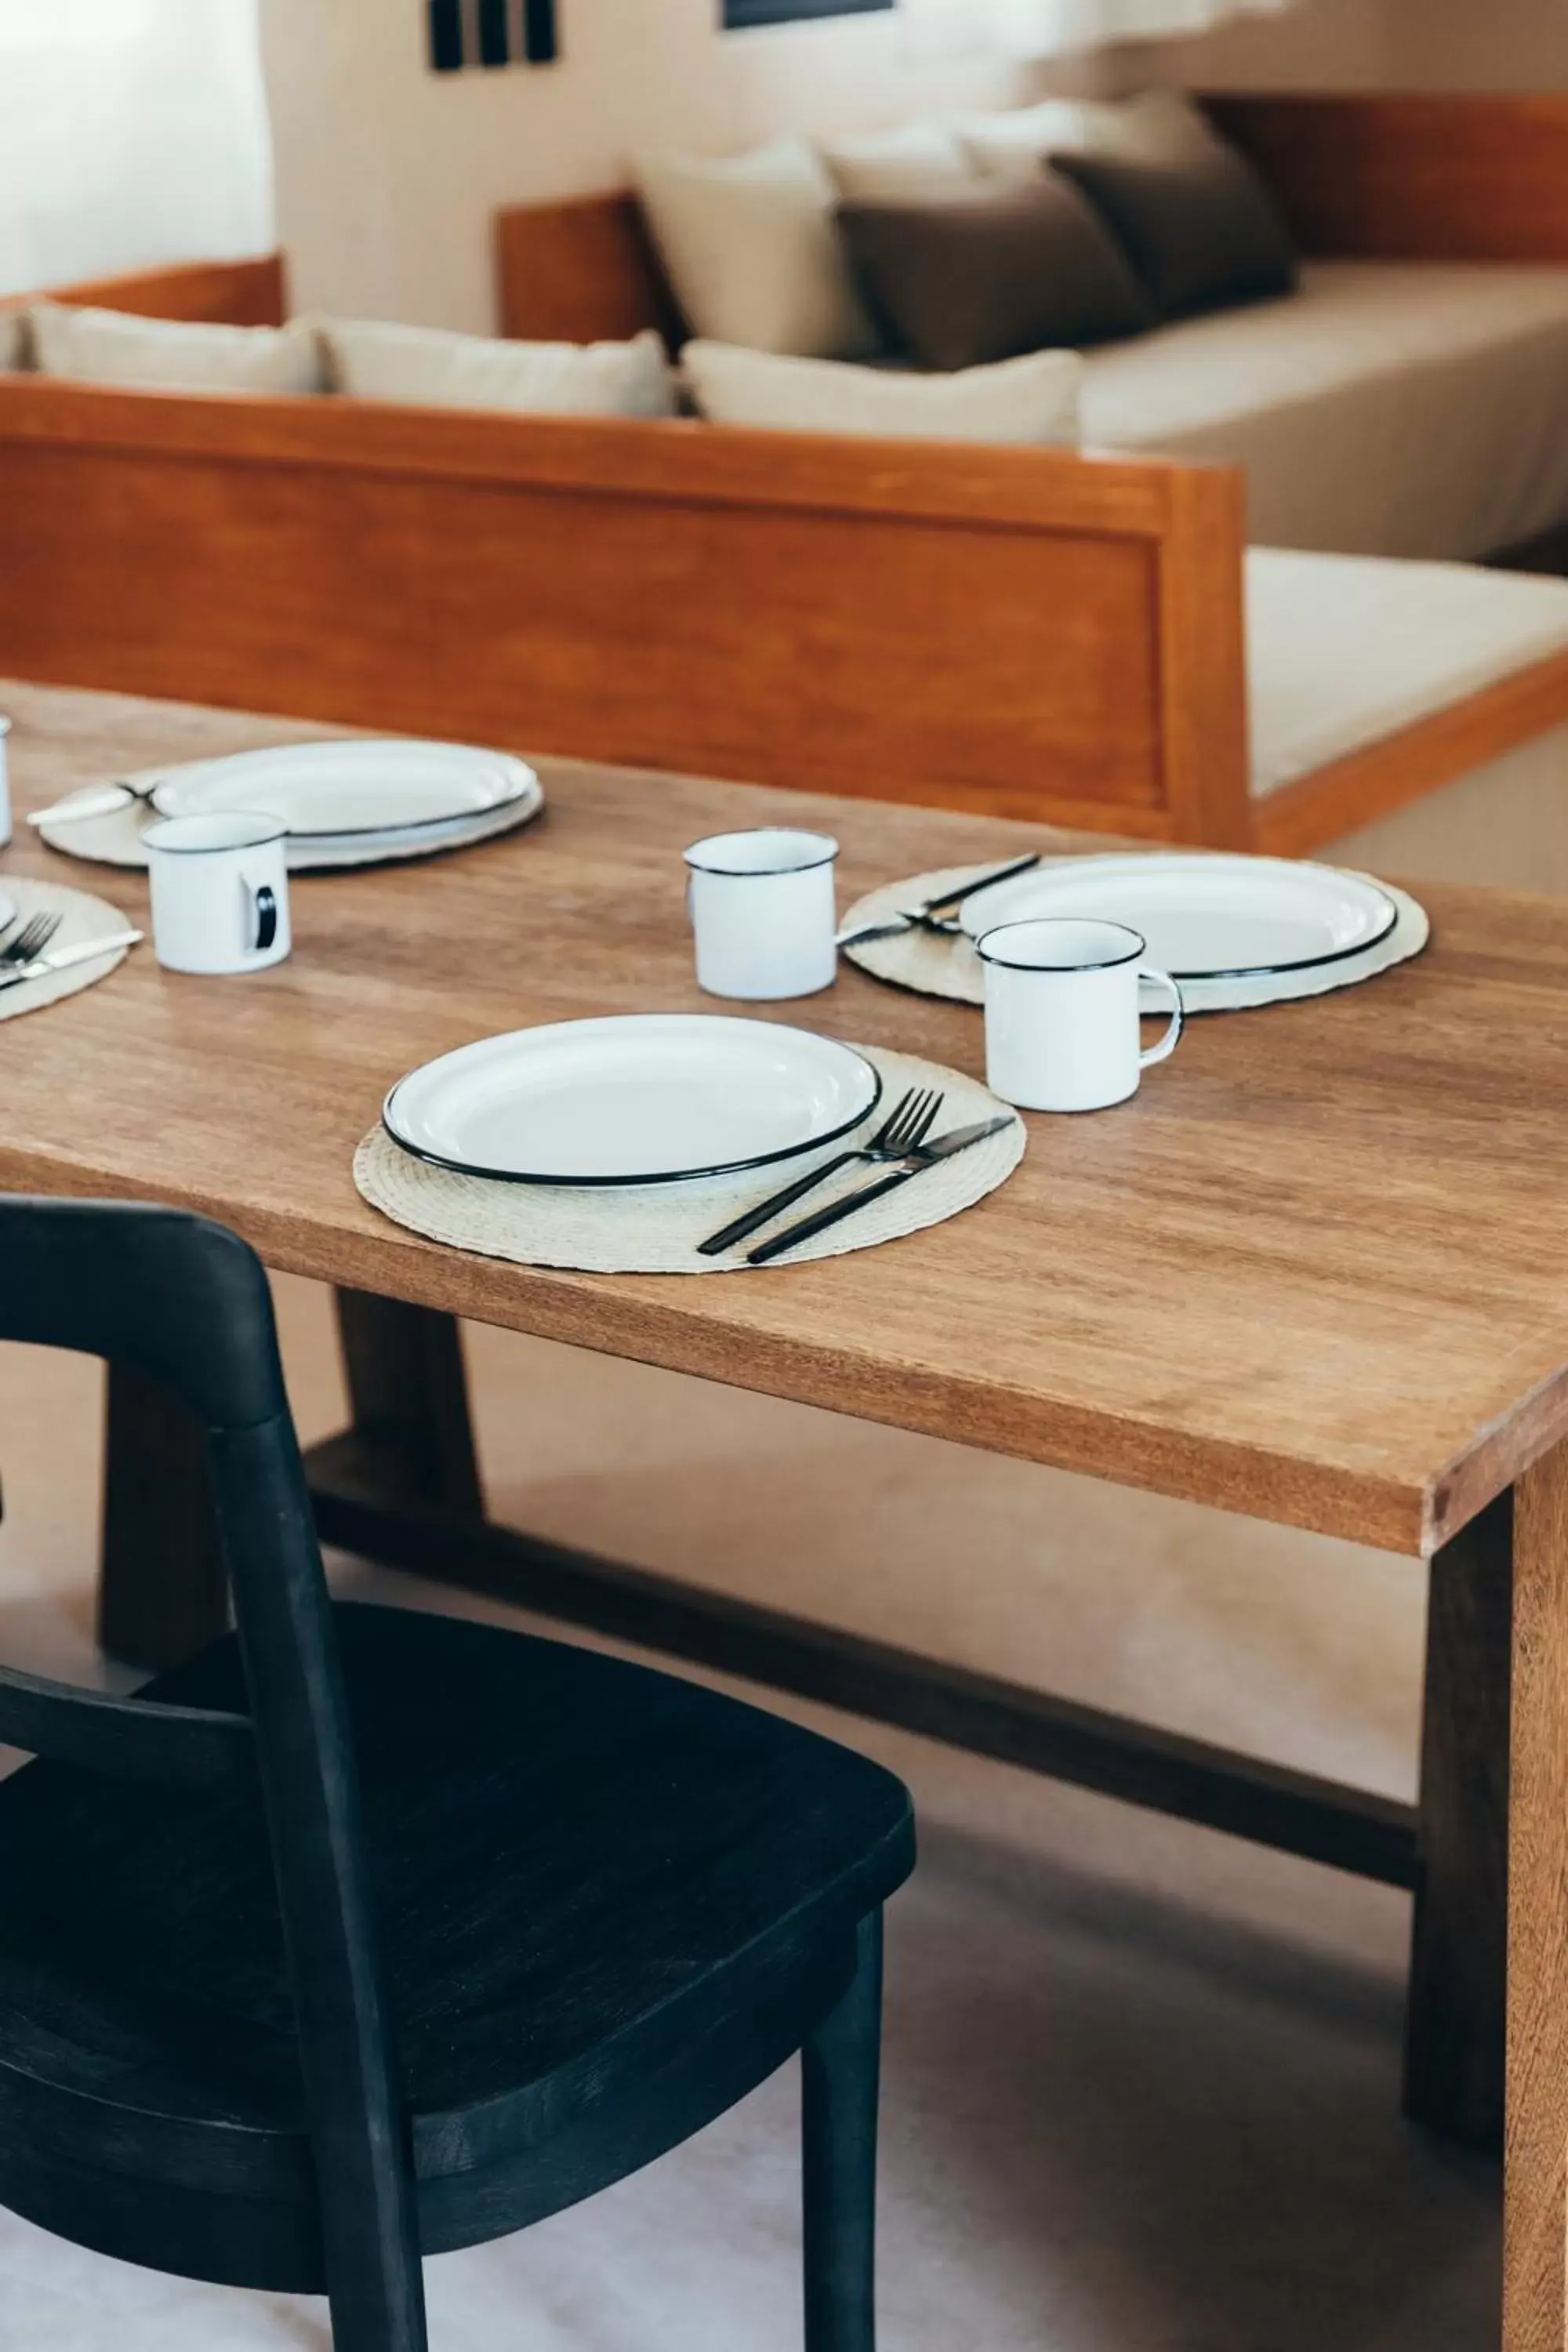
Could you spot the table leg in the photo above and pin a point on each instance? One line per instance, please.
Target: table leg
(409, 1395)
(1535, 2232)
(1459, 1965)
(162, 1591)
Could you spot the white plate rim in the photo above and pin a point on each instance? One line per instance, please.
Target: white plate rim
(517, 778)
(1153, 861)
(625, 1183)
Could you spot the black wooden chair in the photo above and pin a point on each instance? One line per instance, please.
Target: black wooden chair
(372, 1934)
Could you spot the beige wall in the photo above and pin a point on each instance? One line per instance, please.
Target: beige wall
(387, 174)
(1478, 43)
(1320, 45)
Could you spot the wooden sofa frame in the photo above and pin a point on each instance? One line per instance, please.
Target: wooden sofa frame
(1029, 632)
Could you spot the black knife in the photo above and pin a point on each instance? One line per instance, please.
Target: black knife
(946, 902)
(929, 1155)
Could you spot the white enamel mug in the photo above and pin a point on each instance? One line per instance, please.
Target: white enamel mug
(1061, 1014)
(220, 892)
(763, 914)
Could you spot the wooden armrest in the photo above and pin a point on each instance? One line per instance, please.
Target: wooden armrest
(581, 272)
(1406, 178)
(226, 293)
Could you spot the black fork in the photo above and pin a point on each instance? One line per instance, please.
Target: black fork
(907, 1125)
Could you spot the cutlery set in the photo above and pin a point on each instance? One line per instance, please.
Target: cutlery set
(23, 957)
(941, 913)
(900, 1140)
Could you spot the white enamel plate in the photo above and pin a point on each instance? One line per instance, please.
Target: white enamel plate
(356, 790)
(643, 1098)
(7, 911)
(1206, 917)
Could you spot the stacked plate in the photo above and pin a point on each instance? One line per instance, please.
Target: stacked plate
(357, 802)
(643, 1098)
(1232, 931)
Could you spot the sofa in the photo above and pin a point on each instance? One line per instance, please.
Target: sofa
(1408, 399)
(1076, 638)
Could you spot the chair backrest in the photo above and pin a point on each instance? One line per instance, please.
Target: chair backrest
(187, 1303)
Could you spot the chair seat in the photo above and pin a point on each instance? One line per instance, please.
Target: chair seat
(593, 1886)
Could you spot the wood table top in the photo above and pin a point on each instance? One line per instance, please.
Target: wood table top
(1317, 1271)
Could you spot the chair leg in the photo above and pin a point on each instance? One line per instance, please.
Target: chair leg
(839, 2070)
(375, 2279)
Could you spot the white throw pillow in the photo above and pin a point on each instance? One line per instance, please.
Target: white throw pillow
(752, 253)
(174, 354)
(425, 368)
(1033, 399)
(1159, 126)
(907, 162)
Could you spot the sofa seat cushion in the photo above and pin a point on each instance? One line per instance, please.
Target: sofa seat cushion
(111, 347)
(1344, 651)
(1032, 400)
(1387, 408)
(751, 252)
(425, 367)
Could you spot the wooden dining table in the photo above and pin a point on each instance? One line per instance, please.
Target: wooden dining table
(1315, 1274)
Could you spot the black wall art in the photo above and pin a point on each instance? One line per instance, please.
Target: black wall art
(741, 14)
(491, 33)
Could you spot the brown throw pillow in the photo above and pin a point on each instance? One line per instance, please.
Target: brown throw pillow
(1202, 233)
(974, 275)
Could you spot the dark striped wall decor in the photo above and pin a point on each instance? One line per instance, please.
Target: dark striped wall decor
(491, 33)
(738, 14)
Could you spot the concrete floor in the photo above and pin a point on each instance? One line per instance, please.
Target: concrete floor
(1141, 2080)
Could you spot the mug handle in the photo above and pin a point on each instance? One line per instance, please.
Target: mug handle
(266, 904)
(1167, 1043)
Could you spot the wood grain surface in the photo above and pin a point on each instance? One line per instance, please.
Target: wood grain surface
(1535, 2248)
(581, 272)
(235, 293)
(1467, 176)
(1024, 632)
(1317, 1271)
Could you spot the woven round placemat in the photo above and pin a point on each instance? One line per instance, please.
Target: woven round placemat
(932, 965)
(655, 1228)
(82, 917)
(116, 839)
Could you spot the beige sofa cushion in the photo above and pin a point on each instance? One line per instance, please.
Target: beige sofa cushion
(751, 252)
(174, 355)
(428, 368)
(1030, 400)
(1344, 650)
(1390, 408)
(911, 160)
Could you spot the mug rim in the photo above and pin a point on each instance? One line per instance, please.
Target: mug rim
(266, 830)
(1135, 953)
(824, 842)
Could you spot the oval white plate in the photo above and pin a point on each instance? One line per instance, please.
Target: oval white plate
(8, 909)
(1205, 917)
(639, 1098)
(357, 787)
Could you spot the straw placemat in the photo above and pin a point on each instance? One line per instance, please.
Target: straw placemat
(116, 839)
(933, 965)
(654, 1228)
(83, 918)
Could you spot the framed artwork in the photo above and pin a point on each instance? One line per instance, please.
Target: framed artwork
(491, 33)
(741, 13)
